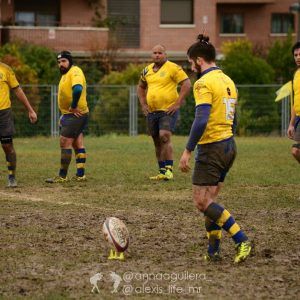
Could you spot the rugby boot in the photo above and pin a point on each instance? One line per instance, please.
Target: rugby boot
(243, 250)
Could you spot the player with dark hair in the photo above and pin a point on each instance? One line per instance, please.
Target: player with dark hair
(73, 106)
(293, 131)
(160, 102)
(212, 132)
(8, 81)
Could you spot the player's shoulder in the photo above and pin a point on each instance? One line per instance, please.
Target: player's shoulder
(76, 69)
(6, 68)
(146, 70)
(174, 66)
(297, 74)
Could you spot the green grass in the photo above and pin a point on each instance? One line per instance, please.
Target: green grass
(51, 237)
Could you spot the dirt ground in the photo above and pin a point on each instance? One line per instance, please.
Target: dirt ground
(52, 245)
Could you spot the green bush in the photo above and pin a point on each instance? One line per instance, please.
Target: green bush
(281, 59)
(109, 109)
(243, 66)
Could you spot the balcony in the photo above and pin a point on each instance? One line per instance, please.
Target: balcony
(75, 38)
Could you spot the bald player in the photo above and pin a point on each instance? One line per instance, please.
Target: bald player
(160, 103)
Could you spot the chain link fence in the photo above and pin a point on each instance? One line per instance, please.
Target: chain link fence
(115, 109)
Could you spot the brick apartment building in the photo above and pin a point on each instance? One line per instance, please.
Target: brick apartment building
(136, 25)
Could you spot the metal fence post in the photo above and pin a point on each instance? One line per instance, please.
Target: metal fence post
(133, 111)
(54, 111)
(285, 115)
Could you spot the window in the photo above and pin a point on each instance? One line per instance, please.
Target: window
(282, 23)
(176, 12)
(232, 23)
(24, 18)
(36, 12)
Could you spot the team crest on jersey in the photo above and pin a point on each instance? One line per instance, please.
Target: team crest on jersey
(162, 74)
(1, 75)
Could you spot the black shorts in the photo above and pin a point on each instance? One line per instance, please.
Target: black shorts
(71, 126)
(213, 161)
(160, 120)
(297, 130)
(7, 127)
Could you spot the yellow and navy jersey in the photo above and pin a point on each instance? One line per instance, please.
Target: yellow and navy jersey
(296, 89)
(72, 77)
(7, 81)
(162, 85)
(218, 90)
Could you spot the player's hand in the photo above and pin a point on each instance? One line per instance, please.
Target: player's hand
(32, 116)
(145, 109)
(291, 131)
(172, 109)
(75, 111)
(184, 161)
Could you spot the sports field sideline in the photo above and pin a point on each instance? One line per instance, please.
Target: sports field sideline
(51, 239)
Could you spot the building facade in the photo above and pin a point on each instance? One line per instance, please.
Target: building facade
(132, 27)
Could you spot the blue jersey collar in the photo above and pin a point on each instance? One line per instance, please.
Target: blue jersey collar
(208, 70)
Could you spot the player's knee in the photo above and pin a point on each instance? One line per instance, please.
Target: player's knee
(296, 151)
(200, 203)
(164, 137)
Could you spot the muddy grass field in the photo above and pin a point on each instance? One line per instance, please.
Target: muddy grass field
(52, 244)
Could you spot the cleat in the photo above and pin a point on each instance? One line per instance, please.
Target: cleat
(79, 178)
(212, 257)
(12, 182)
(57, 179)
(243, 250)
(160, 176)
(169, 175)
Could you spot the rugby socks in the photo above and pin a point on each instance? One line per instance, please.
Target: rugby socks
(162, 167)
(169, 165)
(65, 159)
(80, 156)
(223, 218)
(214, 234)
(11, 160)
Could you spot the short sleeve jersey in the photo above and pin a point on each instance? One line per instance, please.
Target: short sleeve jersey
(7, 81)
(218, 90)
(162, 85)
(73, 77)
(296, 88)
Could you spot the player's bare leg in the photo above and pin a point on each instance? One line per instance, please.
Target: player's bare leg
(160, 159)
(167, 152)
(296, 152)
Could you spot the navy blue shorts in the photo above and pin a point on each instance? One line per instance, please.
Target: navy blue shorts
(160, 120)
(71, 126)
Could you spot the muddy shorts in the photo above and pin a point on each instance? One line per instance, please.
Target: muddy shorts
(213, 161)
(7, 127)
(71, 126)
(160, 120)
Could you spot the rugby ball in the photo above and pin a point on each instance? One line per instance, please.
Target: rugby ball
(116, 233)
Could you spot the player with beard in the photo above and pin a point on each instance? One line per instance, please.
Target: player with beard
(212, 132)
(160, 103)
(73, 107)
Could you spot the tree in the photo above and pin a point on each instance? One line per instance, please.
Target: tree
(280, 57)
(243, 66)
